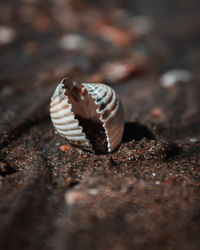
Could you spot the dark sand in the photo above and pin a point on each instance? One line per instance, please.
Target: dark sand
(146, 195)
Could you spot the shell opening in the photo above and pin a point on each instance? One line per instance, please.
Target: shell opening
(85, 111)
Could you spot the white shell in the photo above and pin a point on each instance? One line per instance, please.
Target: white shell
(88, 115)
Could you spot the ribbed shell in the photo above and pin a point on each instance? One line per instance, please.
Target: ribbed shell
(109, 112)
(64, 119)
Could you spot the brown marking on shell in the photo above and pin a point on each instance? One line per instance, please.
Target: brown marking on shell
(88, 115)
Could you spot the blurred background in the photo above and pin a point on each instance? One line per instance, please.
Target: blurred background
(149, 52)
(99, 41)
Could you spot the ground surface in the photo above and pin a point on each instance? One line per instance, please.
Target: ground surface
(146, 195)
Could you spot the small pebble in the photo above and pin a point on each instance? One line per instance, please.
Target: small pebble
(170, 78)
(116, 71)
(156, 112)
(157, 182)
(153, 174)
(74, 196)
(7, 35)
(193, 140)
(93, 191)
(119, 70)
(72, 42)
(65, 148)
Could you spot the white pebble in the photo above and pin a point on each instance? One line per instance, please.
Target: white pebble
(193, 140)
(170, 78)
(153, 174)
(7, 35)
(93, 191)
(157, 182)
(72, 42)
(74, 196)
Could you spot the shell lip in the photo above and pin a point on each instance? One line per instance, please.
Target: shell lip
(73, 89)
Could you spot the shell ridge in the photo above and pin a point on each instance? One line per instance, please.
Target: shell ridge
(107, 115)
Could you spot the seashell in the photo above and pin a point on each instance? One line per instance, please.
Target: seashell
(88, 115)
